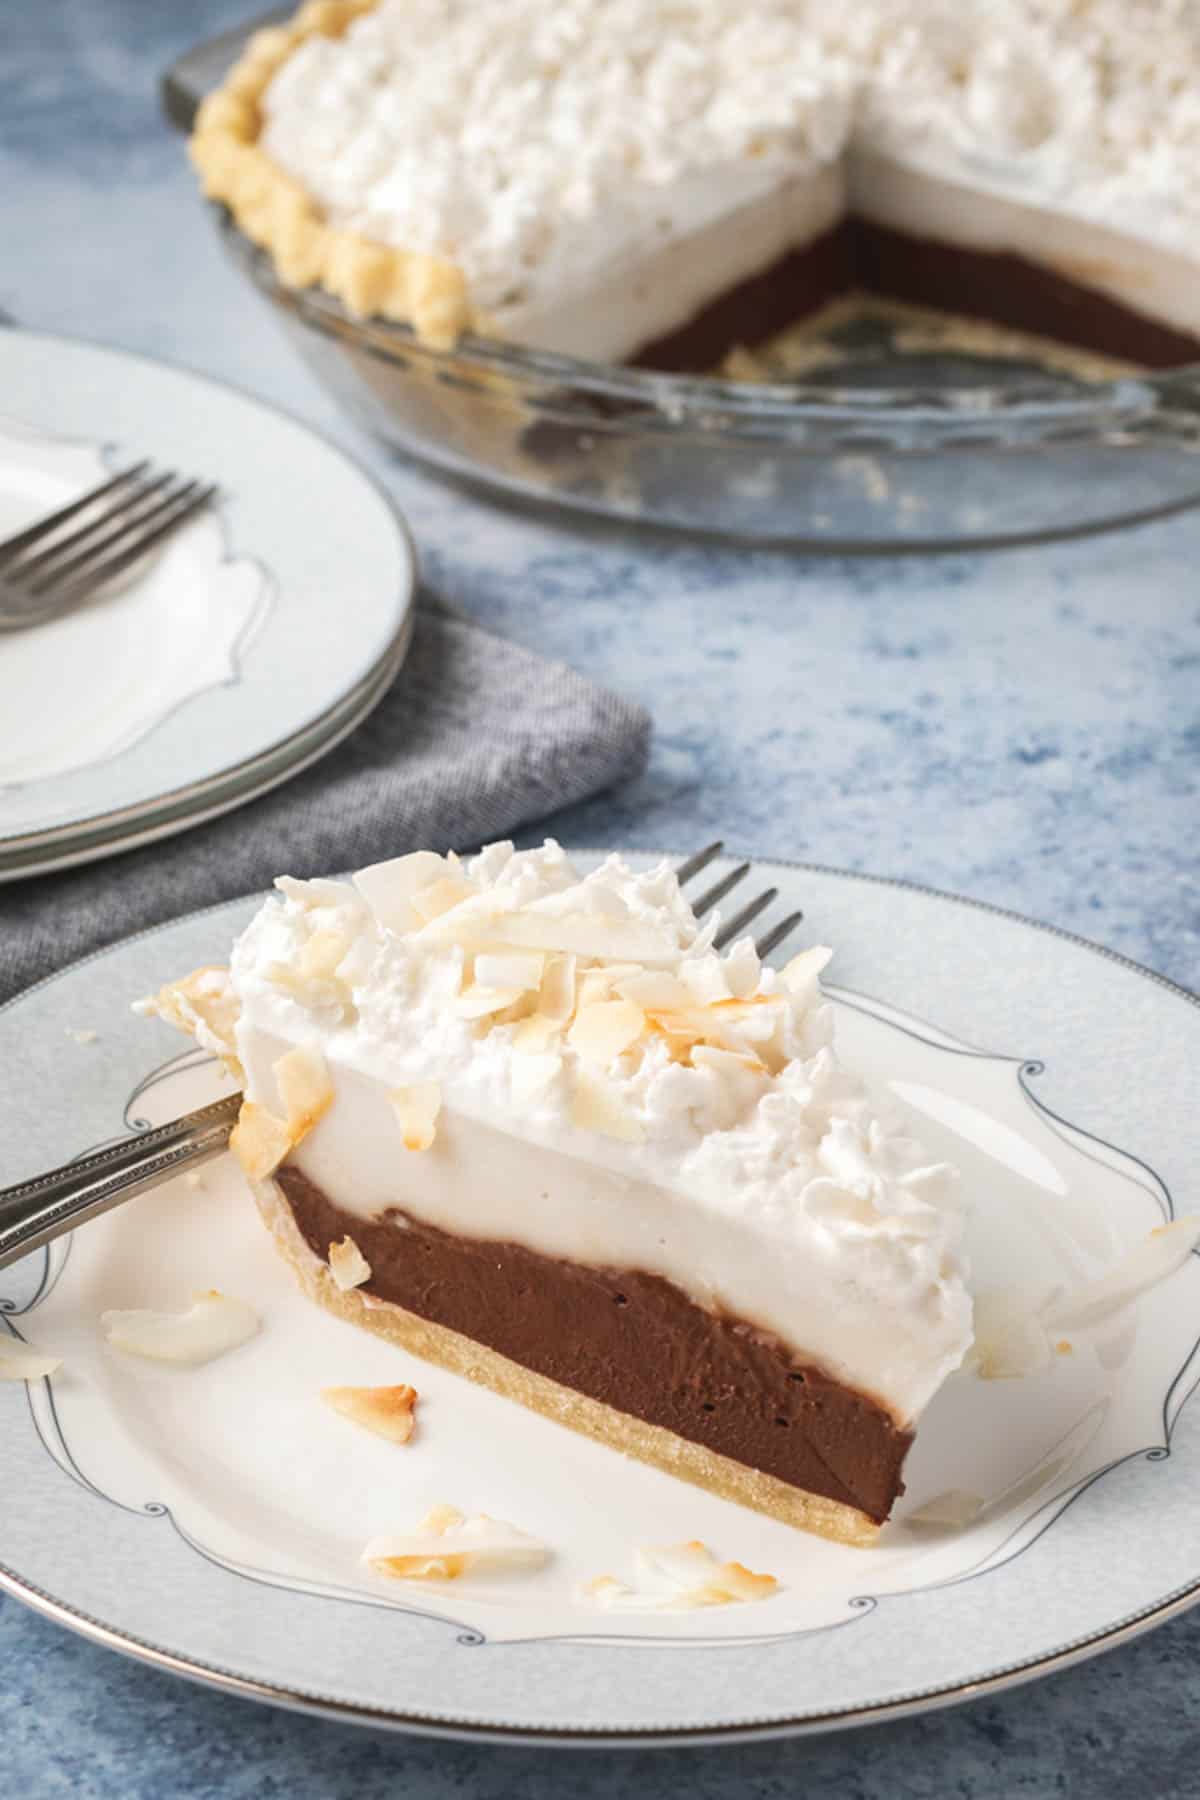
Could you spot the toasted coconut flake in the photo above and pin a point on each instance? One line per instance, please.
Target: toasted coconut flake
(532, 1074)
(214, 1324)
(305, 1089)
(607, 1591)
(655, 990)
(1016, 1334)
(806, 967)
(678, 1578)
(743, 971)
(704, 978)
(82, 1034)
(204, 1005)
(518, 969)
(1153, 1260)
(535, 1035)
(595, 985)
(693, 1576)
(954, 1509)
(600, 1033)
(347, 1264)
(259, 1140)
(417, 1109)
(557, 998)
(476, 1002)
(20, 1361)
(390, 1412)
(730, 1063)
(310, 894)
(589, 935)
(388, 887)
(320, 955)
(446, 1545)
(595, 1107)
(440, 897)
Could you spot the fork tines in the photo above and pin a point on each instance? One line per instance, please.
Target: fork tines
(735, 926)
(62, 558)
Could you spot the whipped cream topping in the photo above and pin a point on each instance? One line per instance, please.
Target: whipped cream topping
(1090, 108)
(592, 1016)
(545, 148)
(530, 143)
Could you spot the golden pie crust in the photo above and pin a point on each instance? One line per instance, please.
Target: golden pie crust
(651, 1444)
(273, 210)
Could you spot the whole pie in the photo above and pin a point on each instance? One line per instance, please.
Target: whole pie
(664, 181)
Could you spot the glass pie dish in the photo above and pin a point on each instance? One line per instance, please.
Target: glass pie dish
(882, 449)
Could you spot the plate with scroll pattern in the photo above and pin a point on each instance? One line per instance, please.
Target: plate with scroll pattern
(212, 1519)
(246, 647)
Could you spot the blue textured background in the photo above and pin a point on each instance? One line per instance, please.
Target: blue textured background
(1022, 726)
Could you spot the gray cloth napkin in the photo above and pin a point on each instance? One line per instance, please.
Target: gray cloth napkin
(474, 738)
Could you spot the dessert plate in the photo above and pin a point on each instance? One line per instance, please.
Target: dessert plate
(211, 1520)
(263, 632)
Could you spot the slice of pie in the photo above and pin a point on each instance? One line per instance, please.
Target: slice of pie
(533, 1127)
(630, 181)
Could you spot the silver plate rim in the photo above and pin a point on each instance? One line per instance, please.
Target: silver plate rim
(463, 1729)
(101, 834)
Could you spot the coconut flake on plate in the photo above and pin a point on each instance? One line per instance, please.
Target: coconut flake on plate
(213, 1324)
(1158, 1256)
(1017, 1335)
(20, 1361)
(446, 1544)
(389, 1412)
(679, 1578)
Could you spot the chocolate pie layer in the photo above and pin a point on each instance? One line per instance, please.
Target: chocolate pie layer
(632, 1341)
(860, 255)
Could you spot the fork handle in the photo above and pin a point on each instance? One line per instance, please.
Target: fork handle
(33, 1212)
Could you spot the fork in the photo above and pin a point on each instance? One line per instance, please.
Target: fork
(48, 570)
(33, 1212)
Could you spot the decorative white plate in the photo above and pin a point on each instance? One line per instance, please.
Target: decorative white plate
(260, 635)
(211, 1520)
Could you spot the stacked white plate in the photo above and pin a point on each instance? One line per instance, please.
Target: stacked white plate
(262, 634)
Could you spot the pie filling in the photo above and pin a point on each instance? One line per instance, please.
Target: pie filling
(862, 256)
(633, 1341)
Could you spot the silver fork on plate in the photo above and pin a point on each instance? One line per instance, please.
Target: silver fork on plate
(59, 562)
(33, 1212)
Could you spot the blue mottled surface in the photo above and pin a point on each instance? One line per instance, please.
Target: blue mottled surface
(1022, 726)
